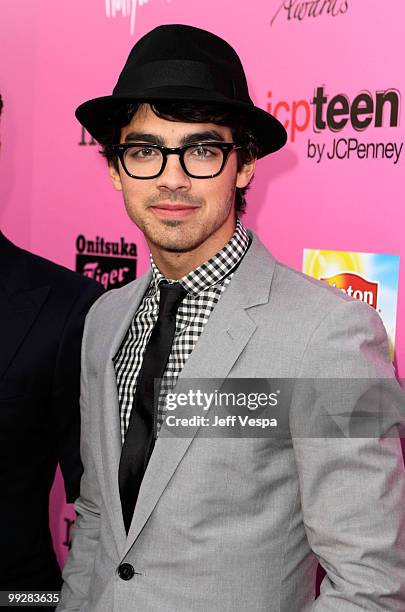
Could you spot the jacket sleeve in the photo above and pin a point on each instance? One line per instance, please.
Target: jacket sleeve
(85, 532)
(65, 424)
(352, 485)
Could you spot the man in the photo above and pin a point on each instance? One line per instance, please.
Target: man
(178, 523)
(42, 311)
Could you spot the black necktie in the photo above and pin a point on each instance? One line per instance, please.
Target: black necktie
(140, 437)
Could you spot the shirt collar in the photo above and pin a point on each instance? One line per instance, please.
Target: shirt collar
(215, 269)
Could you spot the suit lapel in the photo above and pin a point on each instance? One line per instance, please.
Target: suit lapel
(226, 334)
(110, 430)
(20, 303)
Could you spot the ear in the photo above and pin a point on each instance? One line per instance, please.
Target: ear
(245, 174)
(115, 177)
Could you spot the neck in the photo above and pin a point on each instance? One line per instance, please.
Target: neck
(175, 265)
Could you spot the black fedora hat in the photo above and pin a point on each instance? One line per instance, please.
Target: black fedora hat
(182, 63)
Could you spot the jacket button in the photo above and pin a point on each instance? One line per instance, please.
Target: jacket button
(126, 571)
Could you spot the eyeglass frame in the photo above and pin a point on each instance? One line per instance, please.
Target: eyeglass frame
(226, 147)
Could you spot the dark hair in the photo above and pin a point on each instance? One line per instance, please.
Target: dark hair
(1, 104)
(193, 113)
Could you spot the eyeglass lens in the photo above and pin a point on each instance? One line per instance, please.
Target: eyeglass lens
(144, 161)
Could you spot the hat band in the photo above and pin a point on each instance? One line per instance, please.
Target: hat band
(175, 73)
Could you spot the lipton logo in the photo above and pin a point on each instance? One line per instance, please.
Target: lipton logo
(113, 264)
(356, 286)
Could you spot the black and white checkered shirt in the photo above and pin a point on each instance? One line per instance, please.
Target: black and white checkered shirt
(204, 287)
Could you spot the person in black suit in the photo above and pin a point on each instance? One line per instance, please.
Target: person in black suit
(42, 312)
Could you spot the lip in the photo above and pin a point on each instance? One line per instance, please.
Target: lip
(166, 209)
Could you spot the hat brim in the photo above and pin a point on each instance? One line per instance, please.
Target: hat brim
(97, 115)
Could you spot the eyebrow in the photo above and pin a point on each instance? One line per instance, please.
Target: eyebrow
(192, 138)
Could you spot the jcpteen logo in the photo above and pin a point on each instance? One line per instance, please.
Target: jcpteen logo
(325, 113)
(299, 10)
(364, 110)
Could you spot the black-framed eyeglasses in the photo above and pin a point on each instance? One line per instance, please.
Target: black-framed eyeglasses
(203, 160)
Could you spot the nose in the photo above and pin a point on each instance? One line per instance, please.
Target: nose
(173, 176)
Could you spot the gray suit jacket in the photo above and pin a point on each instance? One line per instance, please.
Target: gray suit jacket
(238, 524)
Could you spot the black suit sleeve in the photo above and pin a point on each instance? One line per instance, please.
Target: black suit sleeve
(65, 420)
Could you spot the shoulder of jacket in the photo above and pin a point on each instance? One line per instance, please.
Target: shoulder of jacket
(112, 298)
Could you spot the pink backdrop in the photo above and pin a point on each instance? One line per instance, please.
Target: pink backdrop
(54, 56)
